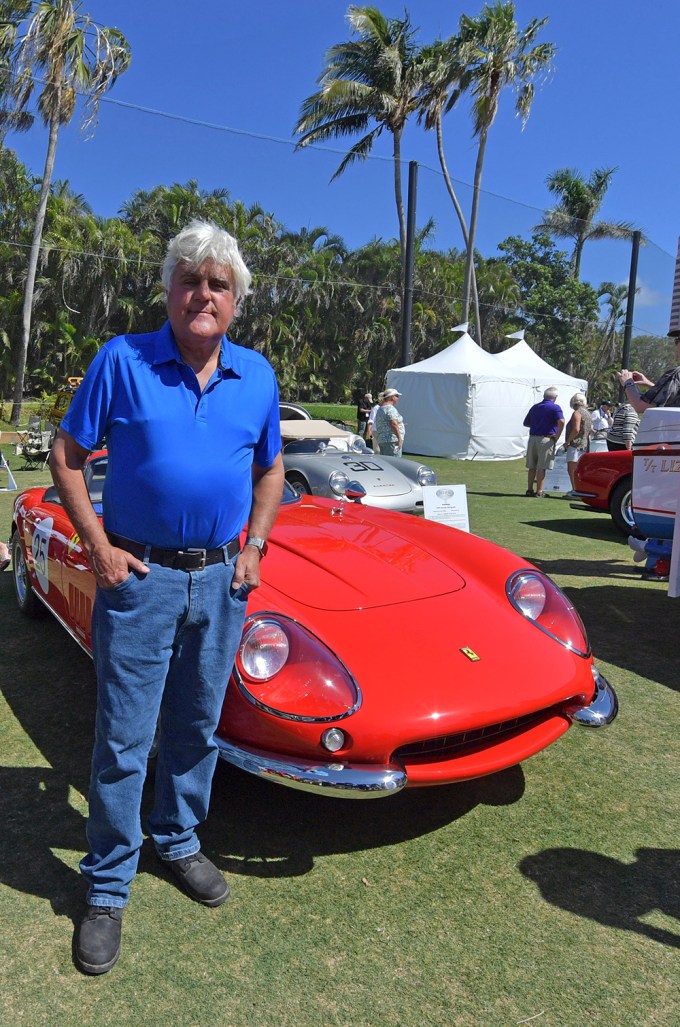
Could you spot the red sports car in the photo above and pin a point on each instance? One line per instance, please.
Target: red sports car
(380, 651)
(604, 481)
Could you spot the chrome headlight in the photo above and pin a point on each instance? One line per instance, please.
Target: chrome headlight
(338, 482)
(539, 599)
(426, 476)
(286, 671)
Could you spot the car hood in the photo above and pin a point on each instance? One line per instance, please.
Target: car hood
(345, 561)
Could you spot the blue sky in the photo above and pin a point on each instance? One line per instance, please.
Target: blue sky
(242, 71)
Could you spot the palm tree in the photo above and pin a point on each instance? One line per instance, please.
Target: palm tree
(579, 203)
(53, 45)
(443, 82)
(370, 81)
(494, 54)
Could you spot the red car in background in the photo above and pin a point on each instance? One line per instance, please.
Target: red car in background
(604, 481)
(381, 650)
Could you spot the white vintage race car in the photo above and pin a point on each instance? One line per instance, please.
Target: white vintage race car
(322, 459)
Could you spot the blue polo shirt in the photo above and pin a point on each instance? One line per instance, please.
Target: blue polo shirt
(543, 417)
(179, 471)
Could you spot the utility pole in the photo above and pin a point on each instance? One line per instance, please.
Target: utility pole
(630, 306)
(407, 305)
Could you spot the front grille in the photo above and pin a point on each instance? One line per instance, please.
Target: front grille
(446, 746)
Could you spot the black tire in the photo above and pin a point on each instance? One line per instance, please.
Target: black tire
(27, 600)
(299, 483)
(620, 507)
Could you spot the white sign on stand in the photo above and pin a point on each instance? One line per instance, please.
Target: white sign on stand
(558, 480)
(446, 504)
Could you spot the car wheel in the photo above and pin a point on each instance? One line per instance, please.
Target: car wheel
(620, 507)
(27, 601)
(299, 484)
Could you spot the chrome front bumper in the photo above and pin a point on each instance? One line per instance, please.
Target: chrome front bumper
(601, 711)
(341, 780)
(372, 781)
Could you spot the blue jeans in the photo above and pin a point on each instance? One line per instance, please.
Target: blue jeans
(163, 644)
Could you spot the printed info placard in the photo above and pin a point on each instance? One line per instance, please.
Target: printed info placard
(447, 504)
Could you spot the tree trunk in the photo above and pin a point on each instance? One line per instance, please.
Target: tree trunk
(576, 260)
(469, 262)
(399, 197)
(461, 219)
(27, 312)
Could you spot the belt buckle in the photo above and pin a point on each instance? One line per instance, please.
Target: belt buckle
(200, 553)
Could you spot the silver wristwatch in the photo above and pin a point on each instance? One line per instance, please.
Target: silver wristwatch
(259, 543)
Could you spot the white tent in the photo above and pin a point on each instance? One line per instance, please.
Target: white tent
(465, 404)
(520, 359)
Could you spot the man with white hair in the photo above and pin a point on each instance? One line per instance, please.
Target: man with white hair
(191, 423)
(545, 422)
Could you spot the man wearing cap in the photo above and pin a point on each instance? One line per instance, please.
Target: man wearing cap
(545, 422)
(389, 425)
(601, 422)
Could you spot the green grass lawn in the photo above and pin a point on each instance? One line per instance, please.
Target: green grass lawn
(546, 895)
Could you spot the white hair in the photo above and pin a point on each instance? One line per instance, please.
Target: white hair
(203, 241)
(578, 400)
(550, 393)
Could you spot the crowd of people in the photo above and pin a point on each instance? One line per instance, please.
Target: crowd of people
(585, 431)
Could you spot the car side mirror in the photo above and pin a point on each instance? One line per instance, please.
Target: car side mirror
(355, 491)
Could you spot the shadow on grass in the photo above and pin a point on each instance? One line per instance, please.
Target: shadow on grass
(612, 893)
(596, 528)
(253, 828)
(264, 830)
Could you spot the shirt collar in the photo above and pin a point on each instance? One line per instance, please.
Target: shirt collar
(167, 350)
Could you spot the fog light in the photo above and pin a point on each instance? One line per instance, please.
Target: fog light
(333, 739)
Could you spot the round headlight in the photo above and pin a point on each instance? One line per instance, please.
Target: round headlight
(539, 599)
(529, 595)
(286, 671)
(264, 650)
(426, 476)
(338, 481)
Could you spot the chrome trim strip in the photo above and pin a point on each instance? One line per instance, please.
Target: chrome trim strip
(338, 780)
(601, 711)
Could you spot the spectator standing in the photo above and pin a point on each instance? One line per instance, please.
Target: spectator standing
(601, 423)
(625, 424)
(192, 428)
(389, 425)
(577, 434)
(370, 427)
(363, 413)
(545, 422)
(665, 393)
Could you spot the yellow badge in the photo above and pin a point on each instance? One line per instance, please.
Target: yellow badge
(470, 653)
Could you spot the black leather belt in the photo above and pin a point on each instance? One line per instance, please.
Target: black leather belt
(178, 559)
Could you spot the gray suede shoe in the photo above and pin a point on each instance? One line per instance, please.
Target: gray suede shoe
(98, 939)
(200, 878)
